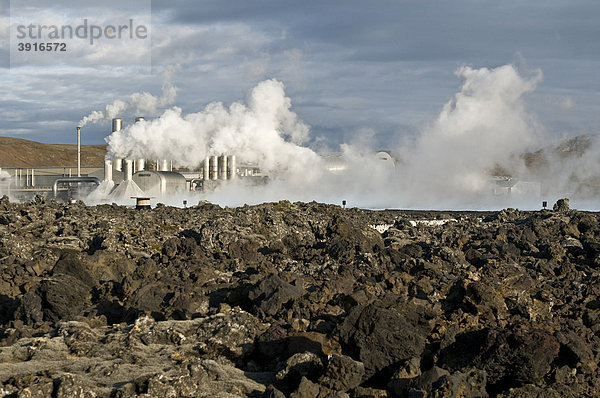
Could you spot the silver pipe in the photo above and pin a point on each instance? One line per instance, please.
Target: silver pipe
(117, 124)
(16, 177)
(66, 180)
(78, 151)
(119, 164)
(206, 169)
(108, 170)
(32, 178)
(222, 167)
(214, 168)
(232, 172)
(140, 164)
(128, 169)
(165, 165)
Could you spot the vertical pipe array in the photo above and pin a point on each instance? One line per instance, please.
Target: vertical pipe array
(222, 167)
(128, 169)
(214, 168)
(232, 164)
(108, 170)
(206, 169)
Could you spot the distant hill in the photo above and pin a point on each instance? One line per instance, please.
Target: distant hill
(16, 152)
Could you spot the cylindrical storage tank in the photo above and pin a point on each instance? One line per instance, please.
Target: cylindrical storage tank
(232, 167)
(214, 168)
(117, 124)
(128, 169)
(119, 164)
(206, 169)
(165, 165)
(108, 170)
(222, 167)
(139, 119)
(140, 164)
(161, 183)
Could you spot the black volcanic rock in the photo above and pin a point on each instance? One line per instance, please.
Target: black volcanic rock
(297, 299)
(380, 337)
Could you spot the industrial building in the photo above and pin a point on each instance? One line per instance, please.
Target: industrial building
(120, 180)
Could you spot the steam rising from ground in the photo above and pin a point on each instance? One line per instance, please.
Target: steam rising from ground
(482, 131)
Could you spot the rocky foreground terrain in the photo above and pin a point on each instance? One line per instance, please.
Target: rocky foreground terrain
(297, 300)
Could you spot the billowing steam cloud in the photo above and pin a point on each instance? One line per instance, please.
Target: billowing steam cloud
(264, 131)
(144, 102)
(483, 129)
(481, 132)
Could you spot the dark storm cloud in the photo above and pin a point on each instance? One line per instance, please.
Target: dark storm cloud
(347, 65)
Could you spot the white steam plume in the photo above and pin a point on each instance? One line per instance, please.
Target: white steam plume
(482, 127)
(264, 131)
(144, 102)
(482, 131)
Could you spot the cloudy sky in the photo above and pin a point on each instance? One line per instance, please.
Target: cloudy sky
(386, 67)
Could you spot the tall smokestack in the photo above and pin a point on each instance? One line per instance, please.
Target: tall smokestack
(140, 164)
(232, 166)
(128, 169)
(206, 169)
(117, 125)
(222, 167)
(214, 168)
(78, 151)
(108, 170)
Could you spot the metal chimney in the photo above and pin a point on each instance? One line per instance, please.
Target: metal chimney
(214, 168)
(117, 124)
(78, 151)
(108, 170)
(128, 169)
(206, 169)
(232, 166)
(140, 164)
(222, 167)
(165, 165)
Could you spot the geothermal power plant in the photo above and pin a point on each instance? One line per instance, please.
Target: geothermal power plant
(123, 180)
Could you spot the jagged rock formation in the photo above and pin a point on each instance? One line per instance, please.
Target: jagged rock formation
(297, 300)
